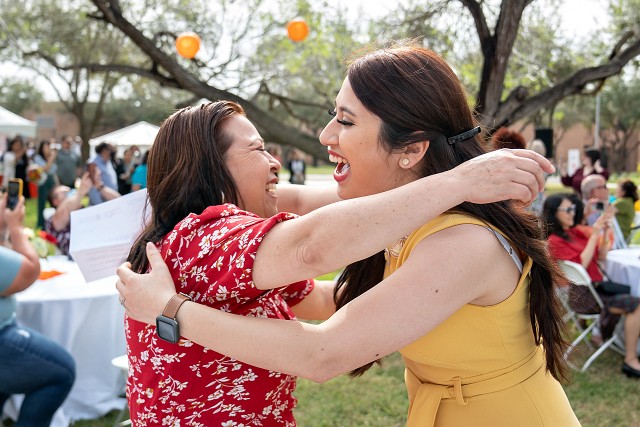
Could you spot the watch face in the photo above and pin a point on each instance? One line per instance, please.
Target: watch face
(167, 329)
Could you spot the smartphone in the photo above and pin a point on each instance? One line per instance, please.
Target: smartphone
(599, 206)
(14, 192)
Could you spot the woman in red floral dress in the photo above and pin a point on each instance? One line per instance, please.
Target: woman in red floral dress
(212, 188)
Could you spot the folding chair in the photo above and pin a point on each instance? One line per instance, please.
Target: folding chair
(577, 274)
(122, 363)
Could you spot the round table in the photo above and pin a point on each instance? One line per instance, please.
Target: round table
(623, 266)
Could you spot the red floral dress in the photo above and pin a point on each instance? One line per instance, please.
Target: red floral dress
(210, 257)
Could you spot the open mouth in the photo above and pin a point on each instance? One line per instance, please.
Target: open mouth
(271, 187)
(342, 168)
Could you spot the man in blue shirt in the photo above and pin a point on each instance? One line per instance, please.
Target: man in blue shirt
(104, 174)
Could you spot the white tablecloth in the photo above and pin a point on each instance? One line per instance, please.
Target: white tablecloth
(623, 266)
(87, 320)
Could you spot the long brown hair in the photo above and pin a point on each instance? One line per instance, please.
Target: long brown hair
(418, 97)
(186, 172)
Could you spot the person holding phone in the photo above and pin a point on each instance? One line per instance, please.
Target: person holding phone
(596, 197)
(586, 246)
(32, 364)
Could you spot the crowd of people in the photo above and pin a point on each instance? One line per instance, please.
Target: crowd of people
(63, 178)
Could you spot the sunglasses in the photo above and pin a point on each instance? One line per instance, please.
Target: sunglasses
(571, 209)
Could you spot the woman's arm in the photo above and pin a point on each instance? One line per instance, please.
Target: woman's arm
(319, 304)
(62, 215)
(302, 199)
(50, 161)
(599, 239)
(29, 269)
(429, 287)
(343, 232)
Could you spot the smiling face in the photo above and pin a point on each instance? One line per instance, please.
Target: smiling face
(352, 139)
(252, 168)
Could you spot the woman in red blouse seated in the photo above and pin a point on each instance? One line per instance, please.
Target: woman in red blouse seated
(571, 243)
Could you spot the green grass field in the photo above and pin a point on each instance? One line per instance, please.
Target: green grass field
(600, 397)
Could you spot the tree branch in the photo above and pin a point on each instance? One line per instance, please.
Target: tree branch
(271, 129)
(572, 85)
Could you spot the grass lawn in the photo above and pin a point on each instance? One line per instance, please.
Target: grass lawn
(600, 397)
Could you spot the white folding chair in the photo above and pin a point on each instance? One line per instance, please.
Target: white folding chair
(577, 274)
(122, 363)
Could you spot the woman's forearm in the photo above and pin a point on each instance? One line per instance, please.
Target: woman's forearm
(30, 269)
(341, 233)
(589, 250)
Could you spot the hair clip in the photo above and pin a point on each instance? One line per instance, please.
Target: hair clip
(464, 135)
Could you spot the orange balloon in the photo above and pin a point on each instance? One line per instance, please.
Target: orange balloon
(297, 29)
(188, 44)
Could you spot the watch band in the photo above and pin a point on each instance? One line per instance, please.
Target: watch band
(172, 307)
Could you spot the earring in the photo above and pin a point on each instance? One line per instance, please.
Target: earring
(405, 162)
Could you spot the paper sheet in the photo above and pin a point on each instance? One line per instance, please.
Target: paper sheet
(102, 235)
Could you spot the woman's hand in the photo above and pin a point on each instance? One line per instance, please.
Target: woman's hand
(14, 218)
(145, 295)
(597, 166)
(502, 175)
(86, 183)
(603, 222)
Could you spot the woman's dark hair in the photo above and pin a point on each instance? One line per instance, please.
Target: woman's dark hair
(575, 198)
(629, 189)
(103, 146)
(16, 140)
(186, 172)
(549, 218)
(593, 154)
(418, 97)
(145, 158)
(43, 143)
(507, 138)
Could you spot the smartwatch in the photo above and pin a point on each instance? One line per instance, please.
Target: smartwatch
(166, 324)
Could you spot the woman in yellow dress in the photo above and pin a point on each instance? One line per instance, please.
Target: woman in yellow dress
(468, 298)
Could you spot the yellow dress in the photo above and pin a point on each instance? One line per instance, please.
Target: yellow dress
(480, 367)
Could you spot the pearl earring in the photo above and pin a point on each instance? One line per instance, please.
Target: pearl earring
(405, 162)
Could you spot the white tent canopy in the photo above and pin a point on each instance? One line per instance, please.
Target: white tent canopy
(141, 134)
(12, 124)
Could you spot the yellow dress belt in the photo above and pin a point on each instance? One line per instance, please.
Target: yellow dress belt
(427, 400)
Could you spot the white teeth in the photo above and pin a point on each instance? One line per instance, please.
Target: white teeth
(271, 187)
(337, 159)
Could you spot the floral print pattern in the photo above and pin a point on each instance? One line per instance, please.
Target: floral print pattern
(210, 257)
